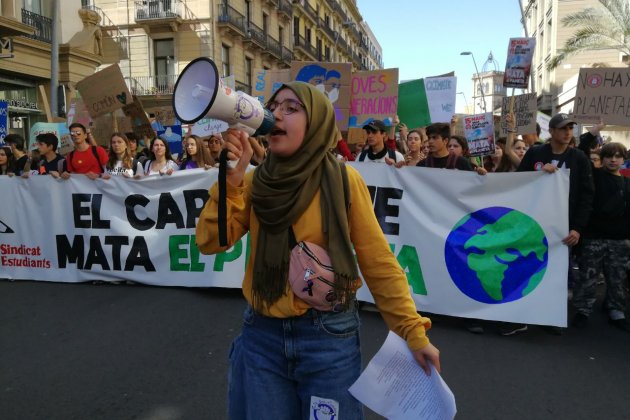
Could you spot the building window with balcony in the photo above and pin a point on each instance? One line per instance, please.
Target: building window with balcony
(34, 6)
(225, 59)
(265, 23)
(164, 53)
(281, 35)
(308, 36)
(248, 11)
(296, 30)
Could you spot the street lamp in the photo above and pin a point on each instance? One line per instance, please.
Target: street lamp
(483, 98)
(465, 101)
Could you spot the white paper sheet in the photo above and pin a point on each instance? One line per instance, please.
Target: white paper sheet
(395, 386)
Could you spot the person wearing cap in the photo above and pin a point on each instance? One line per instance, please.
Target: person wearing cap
(51, 162)
(556, 154)
(377, 151)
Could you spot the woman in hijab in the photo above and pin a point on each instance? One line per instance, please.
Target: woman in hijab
(291, 358)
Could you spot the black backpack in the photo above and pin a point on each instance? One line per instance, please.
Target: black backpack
(390, 153)
(94, 151)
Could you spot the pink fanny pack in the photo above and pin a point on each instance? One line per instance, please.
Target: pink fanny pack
(312, 277)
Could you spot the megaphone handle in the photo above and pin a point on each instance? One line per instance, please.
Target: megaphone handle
(222, 216)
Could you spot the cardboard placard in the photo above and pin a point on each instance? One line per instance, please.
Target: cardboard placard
(425, 101)
(519, 62)
(479, 131)
(374, 96)
(525, 110)
(208, 126)
(333, 79)
(603, 93)
(104, 91)
(267, 82)
(58, 129)
(140, 124)
(165, 115)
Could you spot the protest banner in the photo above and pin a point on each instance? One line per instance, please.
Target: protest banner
(140, 124)
(479, 131)
(60, 130)
(483, 247)
(266, 82)
(333, 79)
(4, 120)
(519, 62)
(525, 111)
(425, 101)
(208, 126)
(104, 91)
(374, 96)
(603, 93)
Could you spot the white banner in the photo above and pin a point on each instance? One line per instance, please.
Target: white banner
(486, 247)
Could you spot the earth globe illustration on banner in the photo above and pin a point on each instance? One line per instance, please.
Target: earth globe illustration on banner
(496, 255)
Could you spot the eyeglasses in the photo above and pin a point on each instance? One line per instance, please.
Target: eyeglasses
(76, 133)
(287, 107)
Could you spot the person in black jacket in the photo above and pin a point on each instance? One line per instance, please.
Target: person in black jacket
(550, 157)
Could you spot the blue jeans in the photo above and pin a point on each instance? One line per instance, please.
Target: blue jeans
(295, 368)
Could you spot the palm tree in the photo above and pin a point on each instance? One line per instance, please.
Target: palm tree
(606, 27)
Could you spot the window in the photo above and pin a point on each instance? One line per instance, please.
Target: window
(548, 45)
(34, 6)
(248, 71)
(248, 11)
(281, 35)
(296, 29)
(327, 55)
(318, 43)
(225, 59)
(265, 23)
(308, 36)
(164, 60)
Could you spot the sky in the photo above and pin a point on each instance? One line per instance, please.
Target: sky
(424, 38)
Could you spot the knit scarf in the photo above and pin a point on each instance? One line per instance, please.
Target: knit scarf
(282, 189)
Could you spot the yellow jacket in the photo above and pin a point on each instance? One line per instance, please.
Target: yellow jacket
(379, 267)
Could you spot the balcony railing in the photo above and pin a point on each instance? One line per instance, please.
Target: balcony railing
(287, 55)
(42, 25)
(231, 17)
(300, 42)
(158, 9)
(256, 34)
(284, 7)
(151, 85)
(273, 46)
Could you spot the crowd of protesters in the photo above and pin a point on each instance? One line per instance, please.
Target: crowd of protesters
(599, 196)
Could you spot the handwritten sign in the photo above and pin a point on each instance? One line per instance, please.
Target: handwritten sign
(425, 101)
(104, 91)
(479, 131)
(267, 82)
(333, 79)
(58, 129)
(140, 124)
(208, 126)
(164, 115)
(603, 93)
(519, 62)
(374, 96)
(524, 111)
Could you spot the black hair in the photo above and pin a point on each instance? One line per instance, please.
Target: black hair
(48, 138)
(611, 149)
(441, 129)
(76, 124)
(15, 139)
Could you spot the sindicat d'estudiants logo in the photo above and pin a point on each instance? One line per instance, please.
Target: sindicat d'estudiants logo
(496, 255)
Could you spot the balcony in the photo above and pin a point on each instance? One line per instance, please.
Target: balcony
(231, 21)
(285, 10)
(255, 36)
(325, 28)
(41, 24)
(271, 3)
(307, 10)
(287, 56)
(159, 12)
(151, 85)
(301, 45)
(273, 48)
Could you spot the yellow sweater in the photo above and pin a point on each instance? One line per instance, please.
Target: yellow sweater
(379, 267)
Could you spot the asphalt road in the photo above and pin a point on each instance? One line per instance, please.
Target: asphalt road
(83, 351)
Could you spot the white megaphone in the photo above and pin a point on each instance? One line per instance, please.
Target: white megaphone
(200, 93)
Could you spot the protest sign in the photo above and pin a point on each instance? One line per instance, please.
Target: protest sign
(524, 109)
(482, 247)
(208, 126)
(140, 124)
(331, 78)
(374, 96)
(479, 131)
(519, 62)
(172, 134)
(60, 130)
(4, 120)
(78, 112)
(229, 81)
(543, 121)
(267, 82)
(425, 101)
(104, 91)
(603, 93)
(164, 115)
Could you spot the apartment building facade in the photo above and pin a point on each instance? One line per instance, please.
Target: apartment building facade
(154, 40)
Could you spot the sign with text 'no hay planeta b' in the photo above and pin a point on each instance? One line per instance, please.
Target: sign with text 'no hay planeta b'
(104, 91)
(603, 93)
